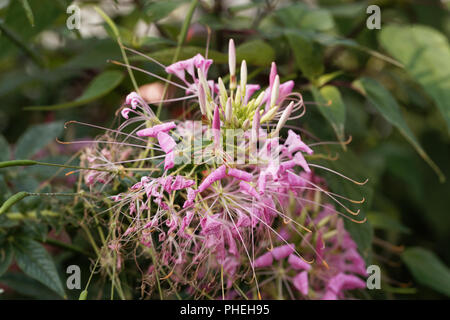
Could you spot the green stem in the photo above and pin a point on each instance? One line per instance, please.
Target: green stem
(181, 39)
(67, 246)
(114, 29)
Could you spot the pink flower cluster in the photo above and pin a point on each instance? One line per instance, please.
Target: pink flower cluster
(208, 228)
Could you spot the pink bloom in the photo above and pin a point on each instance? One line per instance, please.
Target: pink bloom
(300, 160)
(134, 100)
(265, 260)
(216, 127)
(298, 263)
(189, 65)
(153, 131)
(169, 160)
(295, 143)
(191, 193)
(181, 183)
(282, 252)
(217, 174)
(248, 189)
(300, 282)
(240, 174)
(125, 112)
(344, 281)
(329, 295)
(250, 90)
(166, 142)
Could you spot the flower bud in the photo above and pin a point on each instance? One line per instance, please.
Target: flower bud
(284, 117)
(243, 77)
(232, 64)
(228, 111)
(275, 91)
(269, 114)
(223, 96)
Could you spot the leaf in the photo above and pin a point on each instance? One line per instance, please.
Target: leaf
(36, 138)
(383, 221)
(427, 269)
(307, 54)
(301, 16)
(425, 53)
(99, 86)
(34, 261)
(28, 11)
(6, 255)
(387, 106)
(45, 13)
(352, 166)
(255, 52)
(158, 10)
(330, 104)
(28, 287)
(165, 56)
(4, 146)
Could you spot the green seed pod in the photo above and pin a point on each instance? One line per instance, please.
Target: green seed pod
(17, 163)
(83, 295)
(12, 200)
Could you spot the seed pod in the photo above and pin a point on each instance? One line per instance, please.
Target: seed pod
(83, 295)
(13, 200)
(16, 163)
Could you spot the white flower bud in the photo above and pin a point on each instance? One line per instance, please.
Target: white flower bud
(275, 91)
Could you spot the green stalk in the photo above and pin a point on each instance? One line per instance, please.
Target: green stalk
(181, 39)
(114, 29)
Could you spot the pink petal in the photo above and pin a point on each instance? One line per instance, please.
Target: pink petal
(298, 263)
(265, 260)
(301, 161)
(169, 160)
(240, 174)
(166, 142)
(248, 189)
(217, 174)
(153, 131)
(295, 143)
(301, 282)
(282, 252)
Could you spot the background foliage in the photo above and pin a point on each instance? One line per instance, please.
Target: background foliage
(388, 89)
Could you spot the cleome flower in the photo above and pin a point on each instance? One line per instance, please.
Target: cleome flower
(221, 204)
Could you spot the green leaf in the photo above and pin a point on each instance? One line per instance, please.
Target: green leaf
(6, 255)
(303, 17)
(165, 56)
(427, 269)
(388, 107)
(36, 138)
(28, 287)
(4, 146)
(158, 10)
(307, 54)
(330, 104)
(28, 11)
(383, 221)
(255, 52)
(99, 86)
(352, 166)
(425, 53)
(34, 261)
